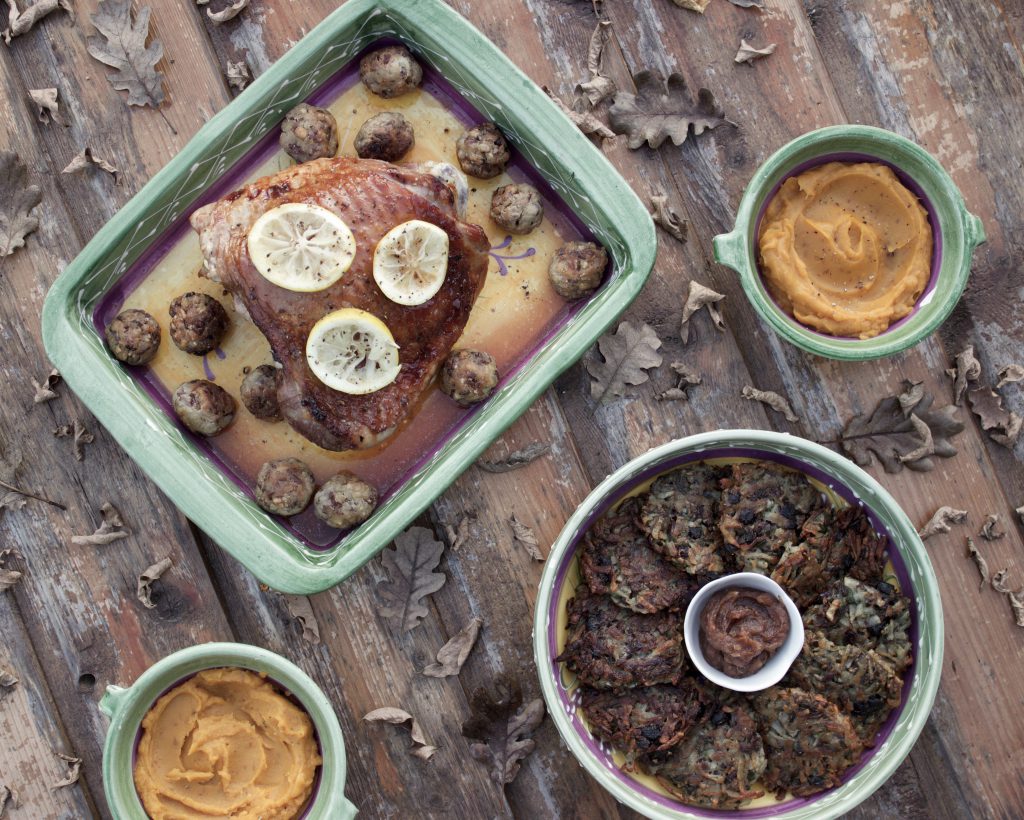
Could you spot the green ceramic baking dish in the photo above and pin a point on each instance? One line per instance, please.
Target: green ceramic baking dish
(956, 234)
(557, 153)
(126, 707)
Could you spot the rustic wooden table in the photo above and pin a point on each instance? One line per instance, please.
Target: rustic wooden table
(946, 73)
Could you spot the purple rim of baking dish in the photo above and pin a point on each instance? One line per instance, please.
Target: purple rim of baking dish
(908, 181)
(607, 503)
(346, 77)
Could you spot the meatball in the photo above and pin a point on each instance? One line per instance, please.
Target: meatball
(133, 337)
(517, 208)
(469, 376)
(309, 133)
(344, 501)
(577, 268)
(390, 71)
(387, 136)
(259, 392)
(204, 407)
(482, 151)
(198, 322)
(284, 486)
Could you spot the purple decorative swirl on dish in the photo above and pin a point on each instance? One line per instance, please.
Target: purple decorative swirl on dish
(502, 258)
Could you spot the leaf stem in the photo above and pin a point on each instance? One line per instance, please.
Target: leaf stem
(14, 489)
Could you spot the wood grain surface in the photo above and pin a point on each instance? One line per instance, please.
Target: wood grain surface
(948, 74)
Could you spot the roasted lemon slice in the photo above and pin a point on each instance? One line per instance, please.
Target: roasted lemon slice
(410, 262)
(301, 247)
(352, 351)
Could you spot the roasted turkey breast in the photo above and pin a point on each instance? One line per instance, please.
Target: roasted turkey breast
(372, 197)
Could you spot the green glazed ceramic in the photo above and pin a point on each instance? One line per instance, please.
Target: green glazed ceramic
(957, 233)
(577, 171)
(127, 707)
(842, 478)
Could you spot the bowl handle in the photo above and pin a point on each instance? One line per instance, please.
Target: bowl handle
(974, 229)
(729, 249)
(339, 807)
(113, 700)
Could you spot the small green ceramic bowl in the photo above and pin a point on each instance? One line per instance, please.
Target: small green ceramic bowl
(126, 708)
(956, 232)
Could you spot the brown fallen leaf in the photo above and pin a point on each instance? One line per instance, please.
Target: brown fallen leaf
(300, 608)
(237, 74)
(999, 582)
(666, 218)
(8, 680)
(85, 159)
(17, 201)
(79, 433)
(911, 396)
(979, 561)
(599, 87)
(8, 798)
(399, 717)
(1002, 425)
(940, 521)
(748, 4)
(686, 377)
(229, 12)
(152, 573)
(989, 530)
(526, 536)
(44, 389)
(772, 399)
(663, 110)
(748, 53)
(111, 529)
(74, 769)
(501, 725)
(8, 577)
(586, 121)
(627, 354)
(700, 296)
(515, 459)
(19, 22)
(453, 654)
(1015, 597)
(411, 566)
(1009, 374)
(122, 46)
(460, 534)
(45, 100)
(966, 369)
(692, 5)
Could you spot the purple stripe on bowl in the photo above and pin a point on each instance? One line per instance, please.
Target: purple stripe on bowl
(844, 492)
(309, 532)
(908, 181)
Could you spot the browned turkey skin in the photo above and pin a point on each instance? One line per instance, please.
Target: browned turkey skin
(372, 197)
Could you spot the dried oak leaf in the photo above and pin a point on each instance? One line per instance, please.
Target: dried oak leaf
(85, 159)
(990, 529)
(685, 378)
(123, 46)
(399, 717)
(748, 53)
(460, 534)
(453, 654)
(17, 199)
(598, 88)
(229, 12)
(1002, 425)
(8, 577)
(74, 766)
(411, 566)
(111, 529)
(501, 724)
(527, 537)
(627, 354)
(8, 797)
(515, 459)
(45, 100)
(81, 436)
(11, 498)
(940, 521)
(748, 4)
(300, 608)
(660, 111)
(1009, 374)
(979, 561)
(697, 297)
(966, 369)
(152, 573)
(772, 399)
(8, 680)
(19, 22)
(586, 121)
(894, 433)
(692, 5)
(237, 74)
(44, 389)
(666, 218)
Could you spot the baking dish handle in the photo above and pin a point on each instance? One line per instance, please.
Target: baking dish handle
(340, 807)
(112, 700)
(974, 228)
(729, 249)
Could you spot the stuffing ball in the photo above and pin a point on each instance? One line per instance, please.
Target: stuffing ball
(469, 376)
(387, 136)
(259, 392)
(517, 208)
(309, 133)
(284, 486)
(390, 72)
(133, 337)
(576, 269)
(344, 501)
(204, 407)
(198, 322)
(482, 151)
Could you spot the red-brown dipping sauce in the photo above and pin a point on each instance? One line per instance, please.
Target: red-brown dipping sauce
(741, 628)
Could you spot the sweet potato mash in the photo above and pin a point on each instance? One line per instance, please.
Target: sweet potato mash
(226, 743)
(846, 248)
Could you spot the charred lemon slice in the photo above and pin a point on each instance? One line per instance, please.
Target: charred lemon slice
(301, 247)
(352, 351)
(410, 262)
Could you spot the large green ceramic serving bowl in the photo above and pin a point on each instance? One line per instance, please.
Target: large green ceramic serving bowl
(126, 707)
(956, 233)
(843, 479)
